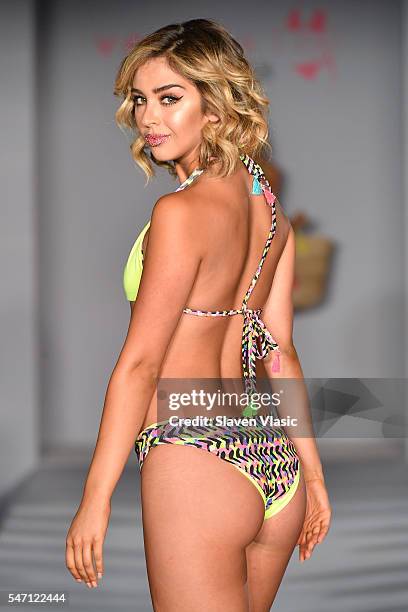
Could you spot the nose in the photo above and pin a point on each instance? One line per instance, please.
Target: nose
(151, 114)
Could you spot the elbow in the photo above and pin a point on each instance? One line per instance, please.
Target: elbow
(288, 351)
(144, 370)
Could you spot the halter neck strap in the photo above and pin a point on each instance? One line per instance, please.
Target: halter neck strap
(195, 173)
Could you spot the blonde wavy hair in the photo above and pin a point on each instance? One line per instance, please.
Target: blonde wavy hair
(204, 52)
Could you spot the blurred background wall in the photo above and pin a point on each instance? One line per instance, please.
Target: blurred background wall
(73, 201)
(20, 414)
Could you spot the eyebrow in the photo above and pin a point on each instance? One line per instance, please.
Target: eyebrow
(158, 89)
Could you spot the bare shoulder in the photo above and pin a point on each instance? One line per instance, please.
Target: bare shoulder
(172, 208)
(194, 202)
(202, 210)
(174, 219)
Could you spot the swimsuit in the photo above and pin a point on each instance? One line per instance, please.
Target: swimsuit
(264, 454)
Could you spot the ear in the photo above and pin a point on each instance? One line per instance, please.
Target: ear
(212, 118)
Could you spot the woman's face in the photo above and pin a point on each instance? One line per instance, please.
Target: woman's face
(174, 112)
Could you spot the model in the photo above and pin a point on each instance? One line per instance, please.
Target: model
(216, 254)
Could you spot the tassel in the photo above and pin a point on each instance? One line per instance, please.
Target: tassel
(250, 411)
(276, 362)
(256, 187)
(269, 196)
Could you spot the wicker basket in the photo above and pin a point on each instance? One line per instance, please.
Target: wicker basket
(312, 266)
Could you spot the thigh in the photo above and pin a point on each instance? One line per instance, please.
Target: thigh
(199, 515)
(269, 553)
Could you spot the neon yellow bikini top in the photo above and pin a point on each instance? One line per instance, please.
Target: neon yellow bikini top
(134, 267)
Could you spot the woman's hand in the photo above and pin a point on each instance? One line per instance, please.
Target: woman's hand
(85, 537)
(317, 517)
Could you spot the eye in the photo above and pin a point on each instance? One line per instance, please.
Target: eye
(135, 100)
(172, 99)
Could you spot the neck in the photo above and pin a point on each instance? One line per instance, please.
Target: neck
(184, 167)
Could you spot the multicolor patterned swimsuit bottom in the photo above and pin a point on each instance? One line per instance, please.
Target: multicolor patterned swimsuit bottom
(264, 454)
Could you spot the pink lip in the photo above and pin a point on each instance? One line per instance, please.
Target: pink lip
(156, 139)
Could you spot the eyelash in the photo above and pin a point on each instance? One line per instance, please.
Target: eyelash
(175, 100)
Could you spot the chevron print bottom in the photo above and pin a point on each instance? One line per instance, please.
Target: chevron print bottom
(265, 455)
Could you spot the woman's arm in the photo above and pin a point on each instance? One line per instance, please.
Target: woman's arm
(170, 268)
(278, 317)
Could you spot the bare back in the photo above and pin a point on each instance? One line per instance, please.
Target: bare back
(233, 224)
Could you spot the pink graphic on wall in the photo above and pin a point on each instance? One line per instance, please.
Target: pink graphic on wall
(304, 38)
(106, 45)
(131, 41)
(310, 37)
